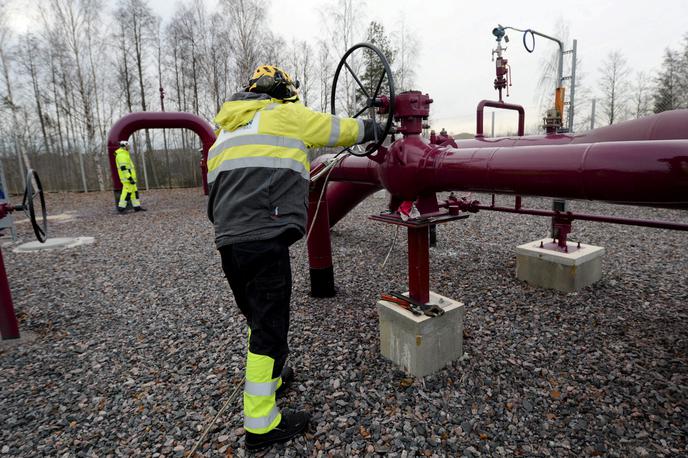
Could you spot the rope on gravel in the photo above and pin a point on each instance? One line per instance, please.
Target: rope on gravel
(210, 425)
(391, 247)
(317, 207)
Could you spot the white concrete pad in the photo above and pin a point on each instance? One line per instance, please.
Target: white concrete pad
(54, 244)
(65, 217)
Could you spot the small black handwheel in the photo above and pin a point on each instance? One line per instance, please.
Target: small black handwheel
(371, 94)
(33, 205)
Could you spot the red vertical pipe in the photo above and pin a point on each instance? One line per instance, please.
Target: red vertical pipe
(319, 246)
(419, 264)
(204, 171)
(9, 329)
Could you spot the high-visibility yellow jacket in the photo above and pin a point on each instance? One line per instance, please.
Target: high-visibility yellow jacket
(125, 167)
(258, 167)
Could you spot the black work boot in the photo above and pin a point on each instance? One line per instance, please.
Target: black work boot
(140, 209)
(287, 377)
(121, 210)
(292, 424)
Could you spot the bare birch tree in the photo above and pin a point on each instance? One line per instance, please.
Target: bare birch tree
(642, 95)
(407, 49)
(343, 21)
(668, 94)
(9, 102)
(246, 32)
(302, 60)
(73, 20)
(614, 87)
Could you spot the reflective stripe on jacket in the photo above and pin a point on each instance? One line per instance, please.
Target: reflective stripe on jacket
(268, 133)
(258, 167)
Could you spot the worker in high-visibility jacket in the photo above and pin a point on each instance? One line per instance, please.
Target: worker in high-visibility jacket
(258, 170)
(127, 175)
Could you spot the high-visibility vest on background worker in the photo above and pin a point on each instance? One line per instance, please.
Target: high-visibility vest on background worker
(127, 176)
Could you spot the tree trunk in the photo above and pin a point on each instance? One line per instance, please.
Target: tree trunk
(22, 157)
(60, 140)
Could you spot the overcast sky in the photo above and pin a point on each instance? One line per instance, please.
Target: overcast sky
(454, 64)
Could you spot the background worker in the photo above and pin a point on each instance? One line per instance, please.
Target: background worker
(258, 170)
(127, 175)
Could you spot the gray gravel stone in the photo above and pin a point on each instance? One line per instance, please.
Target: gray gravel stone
(140, 343)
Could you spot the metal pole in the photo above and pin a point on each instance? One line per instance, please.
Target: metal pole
(558, 204)
(21, 164)
(419, 263)
(164, 140)
(493, 122)
(83, 171)
(145, 169)
(592, 114)
(573, 83)
(560, 69)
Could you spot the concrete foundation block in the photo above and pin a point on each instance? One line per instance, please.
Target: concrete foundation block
(421, 345)
(541, 263)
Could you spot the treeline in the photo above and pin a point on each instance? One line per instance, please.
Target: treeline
(616, 91)
(86, 63)
(625, 94)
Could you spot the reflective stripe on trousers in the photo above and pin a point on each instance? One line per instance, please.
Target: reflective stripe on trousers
(129, 191)
(261, 414)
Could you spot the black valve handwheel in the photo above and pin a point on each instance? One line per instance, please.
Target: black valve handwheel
(33, 204)
(370, 97)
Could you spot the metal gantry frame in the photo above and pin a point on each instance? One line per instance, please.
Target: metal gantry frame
(560, 65)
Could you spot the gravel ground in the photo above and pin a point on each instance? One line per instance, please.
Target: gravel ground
(139, 342)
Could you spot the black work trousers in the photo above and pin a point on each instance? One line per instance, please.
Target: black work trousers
(259, 274)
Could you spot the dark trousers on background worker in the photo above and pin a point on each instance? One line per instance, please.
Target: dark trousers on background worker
(259, 274)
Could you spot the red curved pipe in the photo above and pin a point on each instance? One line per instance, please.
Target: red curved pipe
(349, 184)
(344, 197)
(130, 123)
(353, 169)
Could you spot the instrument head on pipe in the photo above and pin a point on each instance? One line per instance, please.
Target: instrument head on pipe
(411, 109)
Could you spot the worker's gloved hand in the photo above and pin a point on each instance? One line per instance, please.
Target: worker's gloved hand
(131, 181)
(373, 130)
